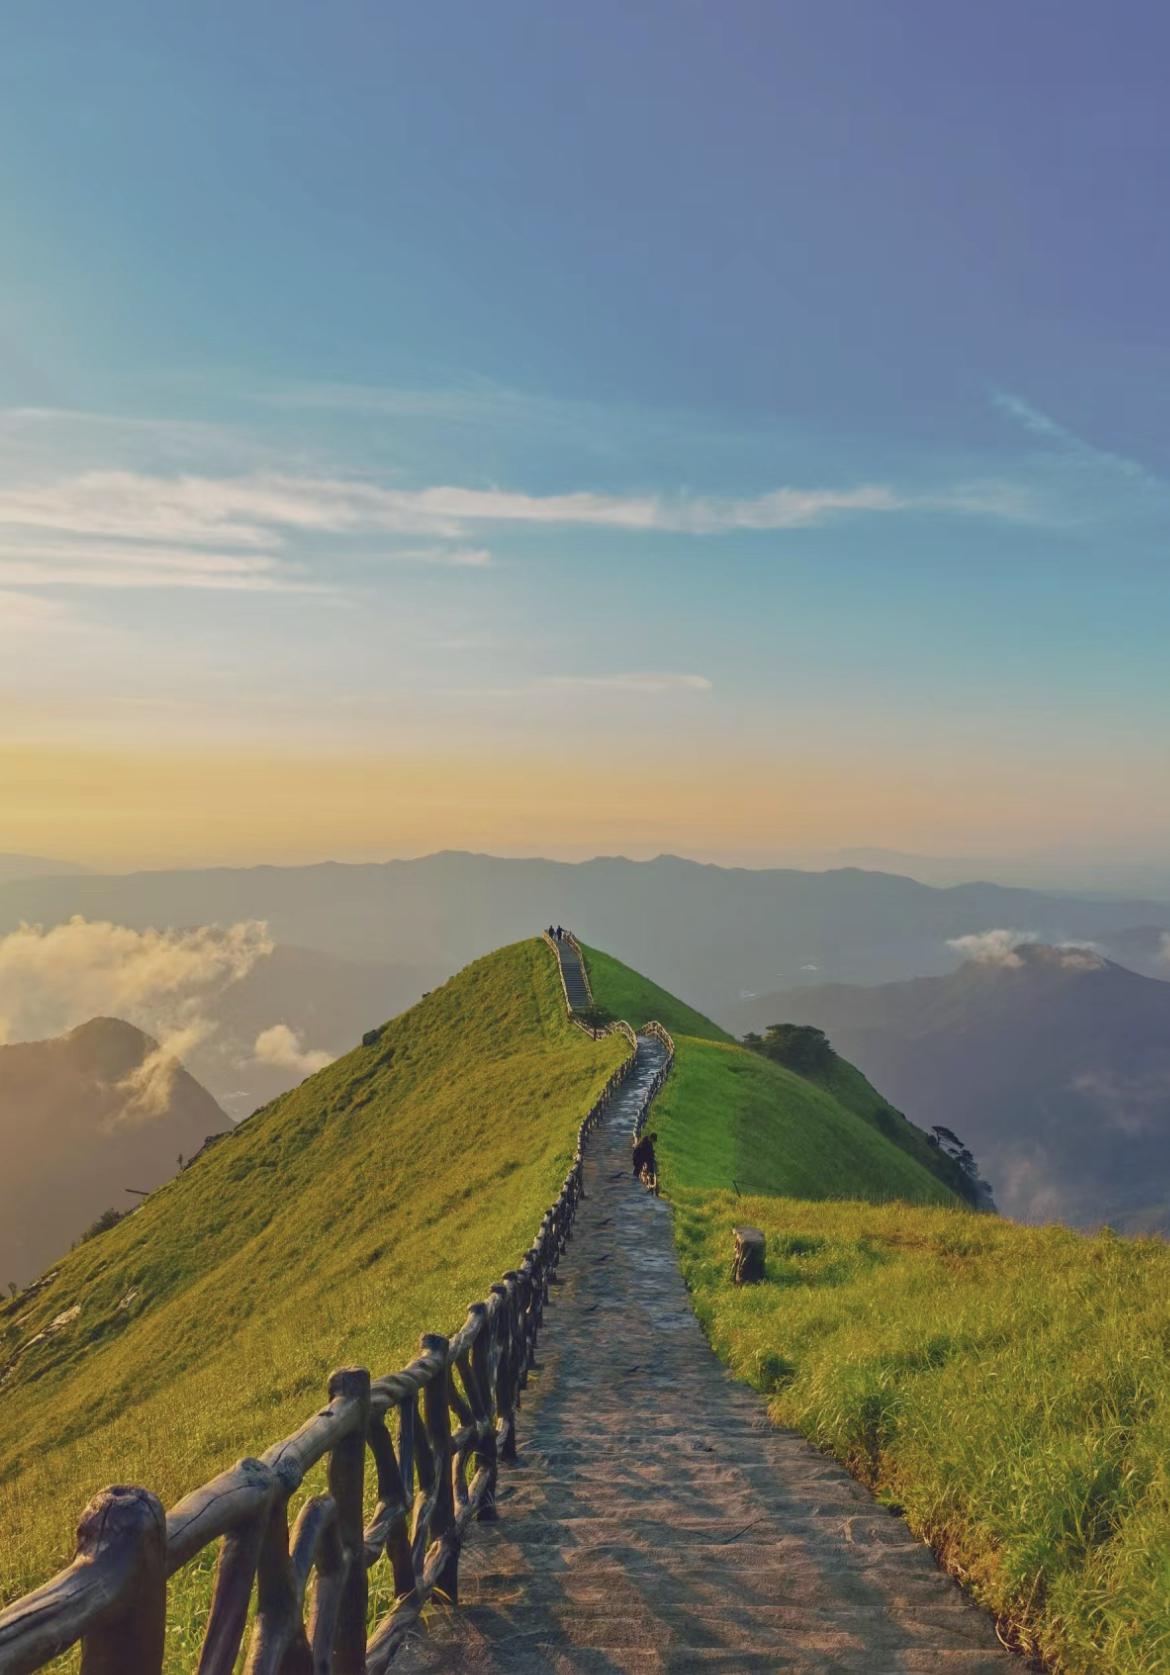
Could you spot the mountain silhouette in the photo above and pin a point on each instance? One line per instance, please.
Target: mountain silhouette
(78, 1126)
(710, 932)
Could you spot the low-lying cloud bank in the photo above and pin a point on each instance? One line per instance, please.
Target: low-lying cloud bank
(1002, 947)
(51, 980)
(283, 1048)
(163, 982)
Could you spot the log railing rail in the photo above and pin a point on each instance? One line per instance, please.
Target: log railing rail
(664, 1036)
(433, 1478)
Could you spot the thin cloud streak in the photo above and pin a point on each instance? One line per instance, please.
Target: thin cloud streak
(1040, 424)
(97, 564)
(642, 684)
(456, 558)
(256, 511)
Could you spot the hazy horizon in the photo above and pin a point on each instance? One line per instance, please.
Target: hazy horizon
(1089, 872)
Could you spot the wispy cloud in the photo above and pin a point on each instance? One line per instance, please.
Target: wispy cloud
(1004, 948)
(24, 611)
(257, 511)
(626, 683)
(79, 563)
(162, 981)
(651, 684)
(457, 558)
(1041, 424)
(995, 947)
(283, 1049)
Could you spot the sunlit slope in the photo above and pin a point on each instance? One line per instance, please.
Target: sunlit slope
(371, 1203)
(729, 1118)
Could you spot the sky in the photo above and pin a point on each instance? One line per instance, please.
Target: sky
(734, 428)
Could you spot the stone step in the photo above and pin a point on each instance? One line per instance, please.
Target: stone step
(623, 1619)
(467, 1657)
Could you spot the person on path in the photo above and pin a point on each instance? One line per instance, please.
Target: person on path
(643, 1158)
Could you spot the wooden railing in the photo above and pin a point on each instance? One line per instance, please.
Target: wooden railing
(663, 1035)
(433, 1477)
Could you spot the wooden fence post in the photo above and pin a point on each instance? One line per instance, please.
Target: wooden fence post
(486, 1449)
(235, 1572)
(507, 1365)
(437, 1418)
(343, 1597)
(124, 1531)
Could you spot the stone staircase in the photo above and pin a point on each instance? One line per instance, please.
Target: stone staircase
(576, 986)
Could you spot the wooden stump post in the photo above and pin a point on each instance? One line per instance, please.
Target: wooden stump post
(747, 1267)
(337, 1631)
(123, 1535)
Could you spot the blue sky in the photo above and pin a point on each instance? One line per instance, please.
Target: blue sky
(783, 385)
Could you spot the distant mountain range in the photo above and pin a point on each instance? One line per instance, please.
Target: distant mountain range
(713, 933)
(1053, 1064)
(36, 866)
(83, 1117)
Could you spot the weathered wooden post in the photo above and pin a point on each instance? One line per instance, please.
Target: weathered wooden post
(342, 1598)
(747, 1267)
(508, 1364)
(389, 1527)
(486, 1448)
(437, 1418)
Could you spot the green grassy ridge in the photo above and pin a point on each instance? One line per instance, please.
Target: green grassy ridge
(1008, 1387)
(621, 992)
(368, 1205)
(728, 1117)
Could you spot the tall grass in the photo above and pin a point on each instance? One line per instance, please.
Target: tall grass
(1008, 1387)
(368, 1205)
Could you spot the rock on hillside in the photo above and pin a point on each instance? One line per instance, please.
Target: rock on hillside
(80, 1121)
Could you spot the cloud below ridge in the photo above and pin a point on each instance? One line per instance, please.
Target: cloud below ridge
(283, 1048)
(160, 981)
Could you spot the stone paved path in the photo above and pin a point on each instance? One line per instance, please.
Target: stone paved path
(656, 1521)
(576, 987)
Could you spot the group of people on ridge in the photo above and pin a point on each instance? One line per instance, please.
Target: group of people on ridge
(556, 932)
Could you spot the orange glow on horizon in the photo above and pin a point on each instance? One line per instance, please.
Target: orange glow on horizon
(122, 810)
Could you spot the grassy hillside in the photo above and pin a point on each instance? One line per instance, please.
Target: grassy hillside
(623, 993)
(846, 1084)
(369, 1204)
(729, 1118)
(1007, 1386)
